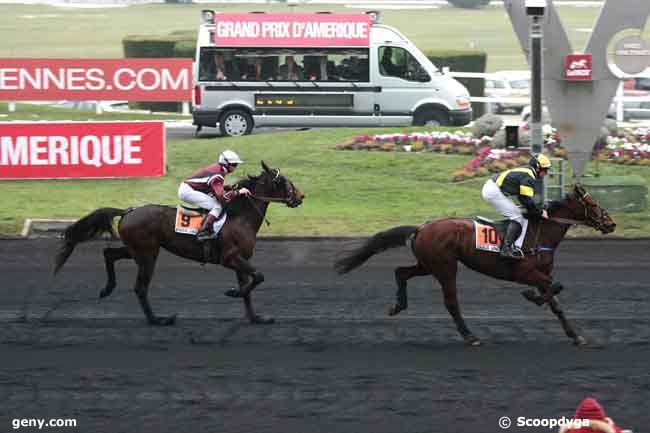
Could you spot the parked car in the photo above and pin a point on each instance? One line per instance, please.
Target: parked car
(508, 84)
(631, 110)
(525, 114)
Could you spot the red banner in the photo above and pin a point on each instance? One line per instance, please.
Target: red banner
(95, 79)
(38, 150)
(292, 30)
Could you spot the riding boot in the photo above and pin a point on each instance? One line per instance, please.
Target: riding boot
(205, 232)
(508, 249)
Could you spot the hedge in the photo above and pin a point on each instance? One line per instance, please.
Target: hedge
(464, 61)
(175, 44)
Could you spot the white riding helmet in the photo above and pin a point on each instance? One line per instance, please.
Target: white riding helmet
(229, 157)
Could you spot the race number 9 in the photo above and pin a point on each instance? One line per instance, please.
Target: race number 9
(185, 220)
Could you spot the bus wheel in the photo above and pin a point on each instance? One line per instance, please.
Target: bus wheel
(431, 117)
(234, 123)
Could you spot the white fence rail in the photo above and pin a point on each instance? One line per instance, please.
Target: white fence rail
(619, 99)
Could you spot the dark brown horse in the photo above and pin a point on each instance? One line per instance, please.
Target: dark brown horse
(144, 230)
(439, 245)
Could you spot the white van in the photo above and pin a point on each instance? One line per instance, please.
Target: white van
(322, 69)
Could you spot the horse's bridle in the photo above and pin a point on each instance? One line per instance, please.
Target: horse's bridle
(287, 201)
(587, 220)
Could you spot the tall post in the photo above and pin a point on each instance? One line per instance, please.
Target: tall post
(536, 10)
(536, 136)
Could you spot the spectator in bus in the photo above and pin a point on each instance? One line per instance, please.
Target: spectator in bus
(290, 71)
(386, 64)
(264, 68)
(316, 68)
(590, 409)
(221, 69)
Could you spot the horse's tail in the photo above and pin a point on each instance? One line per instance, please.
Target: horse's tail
(92, 225)
(391, 238)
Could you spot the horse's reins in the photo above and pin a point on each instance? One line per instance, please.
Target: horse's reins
(567, 221)
(266, 199)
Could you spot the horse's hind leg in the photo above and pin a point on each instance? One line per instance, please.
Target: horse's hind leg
(402, 275)
(445, 273)
(146, 265)
(111, 255)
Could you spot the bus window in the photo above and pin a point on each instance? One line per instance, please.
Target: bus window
(217, 65)
(284, 64)
(398, 62)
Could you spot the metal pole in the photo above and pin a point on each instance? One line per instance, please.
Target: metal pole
(536, 137)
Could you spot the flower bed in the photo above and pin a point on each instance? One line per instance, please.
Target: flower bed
(486, 160)
(631, 147)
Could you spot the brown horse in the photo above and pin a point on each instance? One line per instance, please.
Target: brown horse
(145, 229)
(439, 245)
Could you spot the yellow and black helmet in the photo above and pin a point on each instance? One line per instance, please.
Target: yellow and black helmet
(540, 162)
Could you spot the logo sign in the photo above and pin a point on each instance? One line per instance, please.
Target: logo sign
(95, 79)
(578, 67)
(292, 30)
(53, 150)
(631, 55)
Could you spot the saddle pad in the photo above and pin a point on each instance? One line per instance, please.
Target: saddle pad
(187, 224)
(487, 238)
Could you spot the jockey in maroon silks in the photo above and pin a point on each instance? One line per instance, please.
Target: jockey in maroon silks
(205, 189)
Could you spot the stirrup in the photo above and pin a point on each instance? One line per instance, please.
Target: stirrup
(512, 253)
(206, 235)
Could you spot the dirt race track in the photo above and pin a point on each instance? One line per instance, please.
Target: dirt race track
(333, 361)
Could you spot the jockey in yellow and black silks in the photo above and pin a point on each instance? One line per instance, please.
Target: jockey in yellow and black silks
(521, 183)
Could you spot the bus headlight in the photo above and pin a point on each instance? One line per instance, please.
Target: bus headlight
(463, 101)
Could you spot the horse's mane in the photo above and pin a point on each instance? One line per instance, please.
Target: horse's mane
(249, 182)
(555, 205)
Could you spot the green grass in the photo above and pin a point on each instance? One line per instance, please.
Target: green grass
(32, 112)
(46, 31)
(347, 192)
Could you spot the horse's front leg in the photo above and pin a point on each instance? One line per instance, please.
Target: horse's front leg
(547, 291)
(240, 265)
(243, 280)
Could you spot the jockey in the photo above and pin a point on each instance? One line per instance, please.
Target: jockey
(205, 189)
(521, 183)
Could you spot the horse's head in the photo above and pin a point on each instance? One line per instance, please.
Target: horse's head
(585, 208)
(272, 184)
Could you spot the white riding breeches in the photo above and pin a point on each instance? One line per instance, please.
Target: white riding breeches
(492, 194)
(189, 195)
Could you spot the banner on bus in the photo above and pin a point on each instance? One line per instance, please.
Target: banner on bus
(132, 79)
(55, 150)
(292, 30)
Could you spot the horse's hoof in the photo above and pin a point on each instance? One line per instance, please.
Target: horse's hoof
(580, 341)
(163, 321)
(234, 293)
(394, 310)
(261, 320)
(533, 297)
(556, 288)
(471, 340)
(104, 293)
